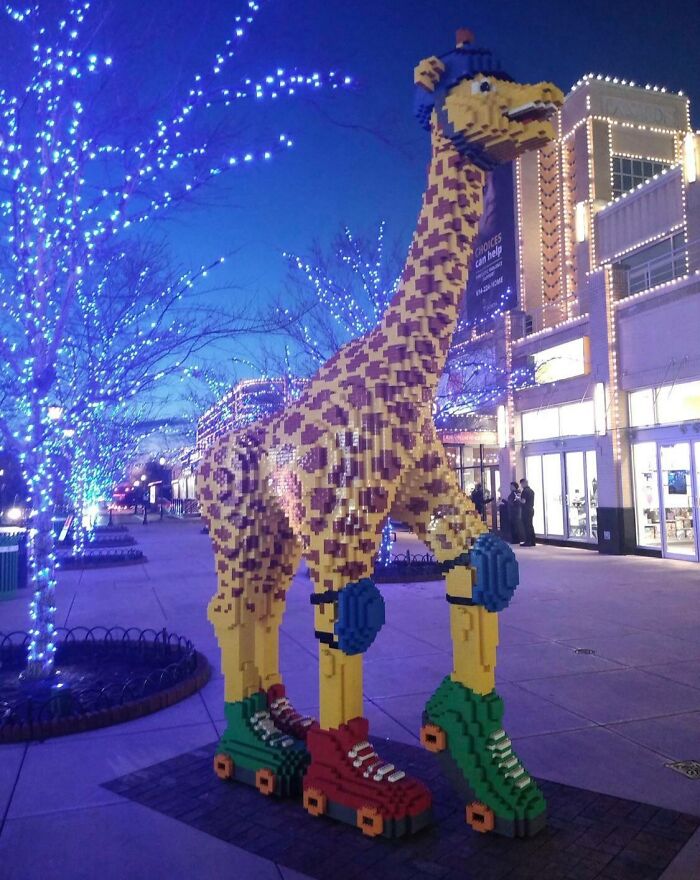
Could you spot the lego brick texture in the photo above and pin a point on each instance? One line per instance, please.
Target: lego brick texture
(589, 835)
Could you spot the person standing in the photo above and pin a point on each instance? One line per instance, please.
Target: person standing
(477, 497)
(527, 502)
(515, 514)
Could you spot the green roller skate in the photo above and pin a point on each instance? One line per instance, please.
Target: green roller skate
(255, 751)
(465, 730)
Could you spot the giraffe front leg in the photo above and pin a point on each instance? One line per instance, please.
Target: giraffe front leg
(346, 779)
(463, 719)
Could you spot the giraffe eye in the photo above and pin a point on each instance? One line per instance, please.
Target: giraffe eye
(486, 86)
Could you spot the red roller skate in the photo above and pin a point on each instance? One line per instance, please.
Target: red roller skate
(348, 781)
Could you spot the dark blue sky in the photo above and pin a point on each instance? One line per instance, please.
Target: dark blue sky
(340, 174)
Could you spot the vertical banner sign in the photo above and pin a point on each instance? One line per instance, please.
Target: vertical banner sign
(491, 287)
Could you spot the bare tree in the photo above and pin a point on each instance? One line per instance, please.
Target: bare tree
(83, 166)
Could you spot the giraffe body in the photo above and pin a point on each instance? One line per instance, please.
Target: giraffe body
(319, 479)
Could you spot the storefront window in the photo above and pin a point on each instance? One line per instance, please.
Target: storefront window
(533, 474)
(551, 479)
(646, 495)
(576, 419)
(541, 424)
(569, 420)
(678, 503)
(678, 403)
(642, 408)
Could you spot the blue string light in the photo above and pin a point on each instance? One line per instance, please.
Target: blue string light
(68, 195)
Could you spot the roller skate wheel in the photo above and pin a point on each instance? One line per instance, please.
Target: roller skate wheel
(223, 766)
(480, 817)
(265, 781)
(370, 821)
(315, 802)
(433, 738)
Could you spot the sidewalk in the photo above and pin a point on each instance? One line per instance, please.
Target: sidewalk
(608, 721)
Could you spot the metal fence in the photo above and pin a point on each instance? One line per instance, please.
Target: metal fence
(13, 561)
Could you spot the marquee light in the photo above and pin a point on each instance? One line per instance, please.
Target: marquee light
(599, 77)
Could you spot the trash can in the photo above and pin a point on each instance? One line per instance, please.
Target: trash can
(13, 561)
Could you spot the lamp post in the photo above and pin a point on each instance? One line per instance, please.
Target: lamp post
(145, 499)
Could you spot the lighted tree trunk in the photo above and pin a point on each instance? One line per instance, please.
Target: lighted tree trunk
(42, 566)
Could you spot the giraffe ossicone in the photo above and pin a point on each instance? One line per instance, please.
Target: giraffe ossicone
(319, 480)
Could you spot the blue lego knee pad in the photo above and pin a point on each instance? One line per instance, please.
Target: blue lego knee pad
(360, 616)
(496, 570)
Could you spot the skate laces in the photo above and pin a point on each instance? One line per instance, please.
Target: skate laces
(284, 713)
(264, 726)
(500, 747)
(363, 756)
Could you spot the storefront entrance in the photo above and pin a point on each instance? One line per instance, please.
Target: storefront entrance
(666, 496)
(478, 465)
(566, 494)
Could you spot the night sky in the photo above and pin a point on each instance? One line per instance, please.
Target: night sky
(374, 168)
(360, 156)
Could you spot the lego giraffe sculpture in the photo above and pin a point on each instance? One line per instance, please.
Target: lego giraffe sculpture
(320, 479)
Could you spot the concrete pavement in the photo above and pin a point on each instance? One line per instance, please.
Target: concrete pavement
(607, 721)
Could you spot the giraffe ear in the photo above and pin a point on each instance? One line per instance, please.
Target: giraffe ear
(426, 77)
(428, 73)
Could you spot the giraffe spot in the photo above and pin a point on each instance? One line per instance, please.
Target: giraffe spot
(311, 434)
(293, 422)
(323, 500)
(336, 415)
(316, 459)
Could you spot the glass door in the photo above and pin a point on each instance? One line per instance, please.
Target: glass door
(576, 496)
(592, 493)
(581, 474)
(678, 502)
(533, 474)
(646, 495)
(552, 494)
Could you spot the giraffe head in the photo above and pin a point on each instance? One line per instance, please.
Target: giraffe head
(491, 119)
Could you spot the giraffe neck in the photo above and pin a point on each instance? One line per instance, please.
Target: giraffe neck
(423, 314)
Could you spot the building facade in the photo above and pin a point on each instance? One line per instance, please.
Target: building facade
(607, 430)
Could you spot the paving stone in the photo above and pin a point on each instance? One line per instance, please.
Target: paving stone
(590, 836)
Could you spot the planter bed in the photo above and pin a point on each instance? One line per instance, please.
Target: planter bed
(102, 558)
(107, 675)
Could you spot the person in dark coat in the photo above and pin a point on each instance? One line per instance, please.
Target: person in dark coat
(504, 519)
(477, 498)
(527, 501)
(515, 514)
